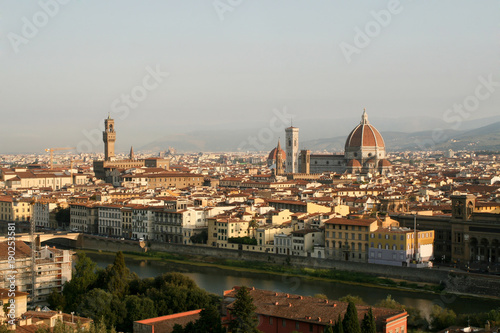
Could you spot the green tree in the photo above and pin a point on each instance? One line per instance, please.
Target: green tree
(350, 323)
(368, 323)
(328, 329)
(415, 319)
(243, 312)
(178, 329)
(98, 305)
(209, 321)
(137, 308)
(118, 276)
(338, 327)
(442, 318)
(84, 278)
(320, 296)
(63, 216)
(389, 303)
(200, 238)
(56, 300)
(354, 299)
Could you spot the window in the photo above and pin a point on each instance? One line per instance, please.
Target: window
(270, 320)
(283, 322)
(297, 325)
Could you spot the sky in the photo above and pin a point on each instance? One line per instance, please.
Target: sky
(163, 67)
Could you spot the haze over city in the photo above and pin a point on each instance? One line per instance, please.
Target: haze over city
(229, 66)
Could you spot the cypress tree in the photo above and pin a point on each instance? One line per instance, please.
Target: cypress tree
(350, 323)
(243, 312)
(368, 323)
(338, 326)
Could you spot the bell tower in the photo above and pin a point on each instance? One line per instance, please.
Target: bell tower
(109, 138)
(292, 149)
(462, 206)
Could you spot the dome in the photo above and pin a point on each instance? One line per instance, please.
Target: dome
(364, 135)
(354, 163)
(384, 163)
(272, 154)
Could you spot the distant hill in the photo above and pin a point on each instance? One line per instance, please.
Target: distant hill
(484, 137)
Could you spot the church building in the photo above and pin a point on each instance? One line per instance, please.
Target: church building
(364, 153)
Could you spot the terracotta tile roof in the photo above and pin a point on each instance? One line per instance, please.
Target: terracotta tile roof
(4, 293)
(306, 308)
(166, 323)
(22, 250)
(343, 221)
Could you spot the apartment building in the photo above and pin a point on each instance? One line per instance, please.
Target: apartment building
(110, 220)
(220, 230)
(44, 213)
(347, 239)
(304, 241)
(142, 222)
(396, 246)
(51, 270)
(84, 217)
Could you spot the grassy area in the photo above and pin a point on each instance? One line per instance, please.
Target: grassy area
(271, 268)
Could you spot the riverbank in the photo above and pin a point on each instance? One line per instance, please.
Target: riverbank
(338, 276)
(407, 278)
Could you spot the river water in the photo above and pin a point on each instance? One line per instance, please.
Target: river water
(216, 280)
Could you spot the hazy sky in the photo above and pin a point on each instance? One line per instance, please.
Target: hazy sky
(230, 63)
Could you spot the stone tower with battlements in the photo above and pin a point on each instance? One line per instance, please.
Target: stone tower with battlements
(109, 138)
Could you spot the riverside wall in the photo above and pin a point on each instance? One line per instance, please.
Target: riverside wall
(456, 282)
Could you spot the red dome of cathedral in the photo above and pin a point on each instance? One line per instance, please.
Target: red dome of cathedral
(272, 154)
(364, 135)
(354, 163)
(384, 163)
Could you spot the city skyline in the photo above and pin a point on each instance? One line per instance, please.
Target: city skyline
(207, 67)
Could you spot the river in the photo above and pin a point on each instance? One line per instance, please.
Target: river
(216, 280)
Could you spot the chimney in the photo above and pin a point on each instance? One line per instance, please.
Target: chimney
(330, 321)
(319, 319)
(300, 297)
(289, 305)
(275, 294)
(326, 301)
(276, 303)
(334, 305)
(287, 296)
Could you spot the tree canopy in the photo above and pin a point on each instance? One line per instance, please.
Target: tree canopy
(243, 313)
